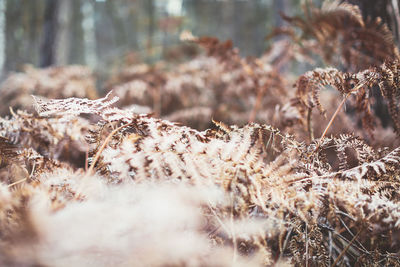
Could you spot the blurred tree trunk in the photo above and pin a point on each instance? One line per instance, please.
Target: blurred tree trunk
(238, 19)
(118, 26)
(2, 35)
(50, 33)
(151, 27)
(62, 43)
(132, 25)
(35, 22)
(89, 33)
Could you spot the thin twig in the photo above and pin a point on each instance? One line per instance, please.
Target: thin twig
(306, 245)
(309, 125)
(348, 230)
(345, 249)
(259, 98)
(218, 219)
(333, 118)
(103, 146)
(345, 214)
(233, 234)
(289, 232)
(330, 246)
(361, 84)
(87, 159)
(24, 179)
(17, 182)
(33, 169)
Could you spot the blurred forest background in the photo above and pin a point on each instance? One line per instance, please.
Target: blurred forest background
(105, 34)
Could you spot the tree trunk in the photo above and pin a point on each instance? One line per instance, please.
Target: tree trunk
(89, 33)
(62, 43)
(2, 35)
(50, 33)
(151, 27)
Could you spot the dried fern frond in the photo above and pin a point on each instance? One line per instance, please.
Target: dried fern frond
(53, 138)
(339, 29)
(73, 106)
(360, 84)
(389, 84)
(231, 87)
(8, 151)
(53, 82)
(326, 20)
(309, 84)
(363, 152)
(307, 207)
(375, 170)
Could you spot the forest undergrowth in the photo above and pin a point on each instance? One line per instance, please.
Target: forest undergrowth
(219, 160)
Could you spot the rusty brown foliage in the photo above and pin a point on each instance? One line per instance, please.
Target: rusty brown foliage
(219, 160)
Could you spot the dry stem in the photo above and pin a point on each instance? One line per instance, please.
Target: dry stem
(103, 146)
(345, 249)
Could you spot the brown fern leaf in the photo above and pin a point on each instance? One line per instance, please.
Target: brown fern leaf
(8, 151)
(221, 50)
(53, 82)
(340, 30)
(368, 51)
(215, 82)
(167, 150)
(326, 20)
(309, 84)
(150, 148)
(375, 170)
(386, 76)
(54, 138)
(336, 153)
(314, 211)
(73, 106)
(17, 162)
(389, 84)
(363, 152)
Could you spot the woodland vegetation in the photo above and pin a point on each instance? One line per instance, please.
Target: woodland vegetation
(214, 161)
